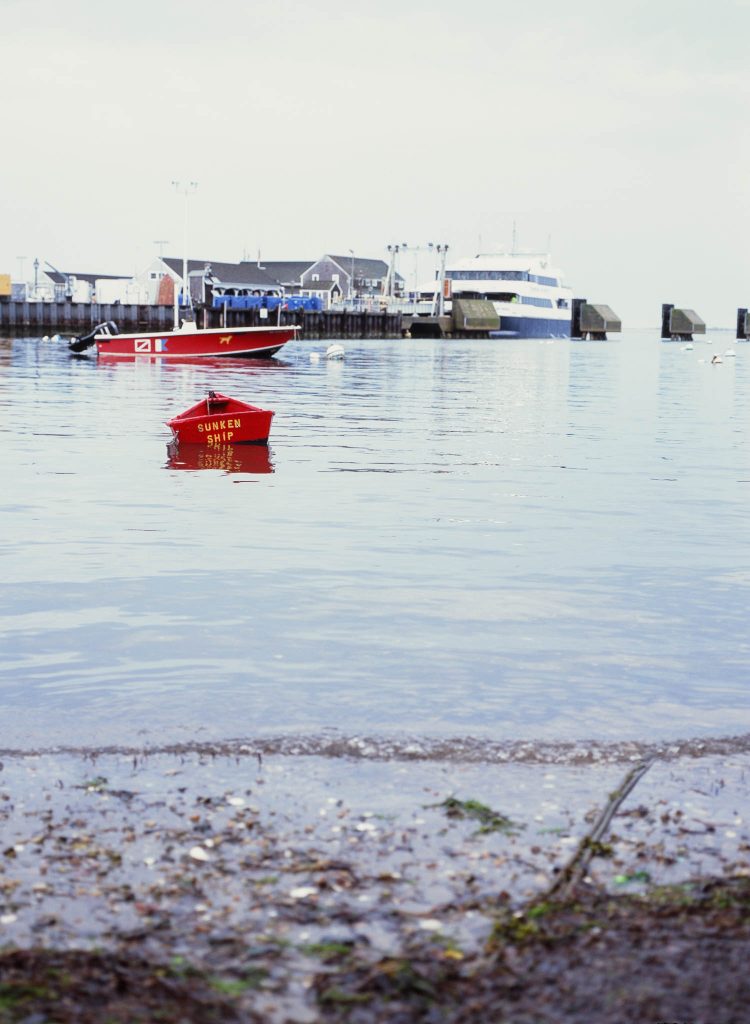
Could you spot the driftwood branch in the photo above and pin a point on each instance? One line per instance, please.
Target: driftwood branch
(576, 868)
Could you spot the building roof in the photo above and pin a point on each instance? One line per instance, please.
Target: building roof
(362, 267)
(229, 275)
(274, 273)
(285, 271)
(61, 277)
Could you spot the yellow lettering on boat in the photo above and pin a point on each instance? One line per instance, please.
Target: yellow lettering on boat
(200, 428)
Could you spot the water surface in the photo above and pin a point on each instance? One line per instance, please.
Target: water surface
(499, 539)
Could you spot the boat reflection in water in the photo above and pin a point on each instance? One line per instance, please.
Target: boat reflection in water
(229, 458)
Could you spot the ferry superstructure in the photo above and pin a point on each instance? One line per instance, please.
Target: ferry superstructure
(526, 290)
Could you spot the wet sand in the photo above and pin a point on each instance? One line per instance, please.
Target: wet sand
(295, 886)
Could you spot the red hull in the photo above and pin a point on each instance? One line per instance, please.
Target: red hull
(192, 343)
(217, 421)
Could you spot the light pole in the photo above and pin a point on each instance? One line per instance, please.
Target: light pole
(187, 189)
(394, 251)
(439, 305)
(351, 280)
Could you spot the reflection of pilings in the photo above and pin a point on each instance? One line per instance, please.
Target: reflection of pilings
(77, 317)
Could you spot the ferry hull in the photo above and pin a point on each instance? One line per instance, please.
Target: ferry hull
(531, 327)
(245, 342)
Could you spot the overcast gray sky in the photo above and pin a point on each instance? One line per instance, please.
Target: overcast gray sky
(615, 135)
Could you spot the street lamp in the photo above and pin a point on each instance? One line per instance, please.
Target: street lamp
(351, 279)
(187, 189)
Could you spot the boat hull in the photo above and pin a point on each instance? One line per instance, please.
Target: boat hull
(531, 327)
(245, 342)
(218, 421)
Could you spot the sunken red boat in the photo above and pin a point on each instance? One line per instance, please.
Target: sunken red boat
(219, 420)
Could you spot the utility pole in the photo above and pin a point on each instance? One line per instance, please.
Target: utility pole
(186, 189)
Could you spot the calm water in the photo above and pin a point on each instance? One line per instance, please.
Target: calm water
(506, 539)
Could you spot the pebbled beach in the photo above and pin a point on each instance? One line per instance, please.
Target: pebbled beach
(239, 883)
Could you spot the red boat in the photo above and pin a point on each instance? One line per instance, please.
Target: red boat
(218, 420)
(189, 341)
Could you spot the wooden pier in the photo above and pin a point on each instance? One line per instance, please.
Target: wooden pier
(32, 318)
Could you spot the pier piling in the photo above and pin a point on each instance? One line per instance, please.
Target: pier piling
(743, 325)
(32, 318)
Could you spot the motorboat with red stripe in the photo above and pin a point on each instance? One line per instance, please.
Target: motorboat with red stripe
(188, 341)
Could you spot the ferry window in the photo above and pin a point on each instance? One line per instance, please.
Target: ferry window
(551, 281)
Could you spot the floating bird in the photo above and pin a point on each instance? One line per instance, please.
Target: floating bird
(716, 359)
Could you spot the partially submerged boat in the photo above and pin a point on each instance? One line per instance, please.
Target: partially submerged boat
(188, 342)
(218, 420)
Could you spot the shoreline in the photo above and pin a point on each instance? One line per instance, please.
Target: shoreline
(294, 870)
(409, 748)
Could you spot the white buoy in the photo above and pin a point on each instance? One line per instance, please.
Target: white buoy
(55, 337)
(335, 352)
(46, 337)
(315, 357)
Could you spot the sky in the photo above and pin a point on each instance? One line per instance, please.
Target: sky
(616, 137)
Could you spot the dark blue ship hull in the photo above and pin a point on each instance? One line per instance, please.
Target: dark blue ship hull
(531, 327)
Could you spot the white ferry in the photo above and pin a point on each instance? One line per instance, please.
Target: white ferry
(527, 292)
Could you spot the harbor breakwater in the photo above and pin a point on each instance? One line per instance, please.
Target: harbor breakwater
(80, 317)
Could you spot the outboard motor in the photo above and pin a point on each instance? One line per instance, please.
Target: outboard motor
(109, 327)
